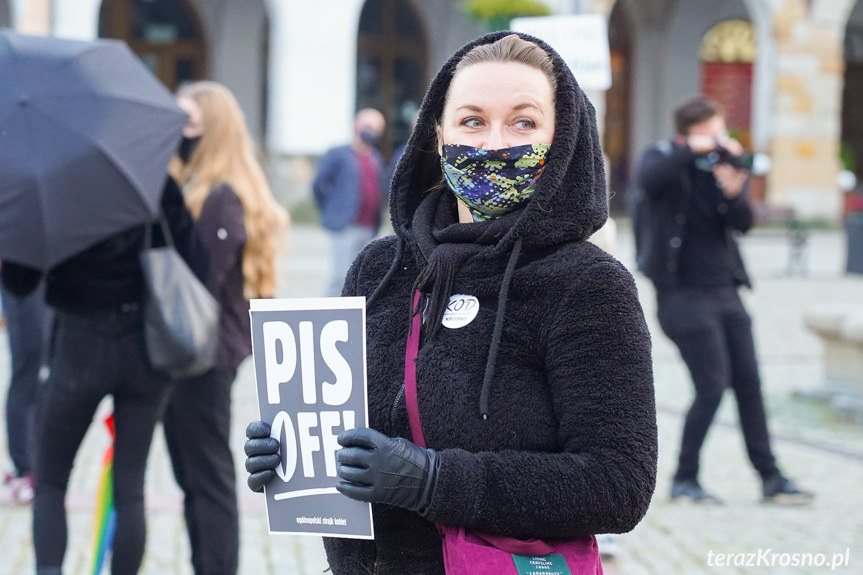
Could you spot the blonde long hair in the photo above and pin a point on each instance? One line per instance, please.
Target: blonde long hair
(225, 155)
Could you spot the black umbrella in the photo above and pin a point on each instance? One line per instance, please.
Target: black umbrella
(86, 134)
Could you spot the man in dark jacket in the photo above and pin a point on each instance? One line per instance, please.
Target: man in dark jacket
(347, 189)
(695, 198)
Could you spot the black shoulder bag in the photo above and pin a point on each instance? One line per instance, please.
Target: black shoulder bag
(181, 317)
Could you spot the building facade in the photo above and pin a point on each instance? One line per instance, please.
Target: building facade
(787, 72)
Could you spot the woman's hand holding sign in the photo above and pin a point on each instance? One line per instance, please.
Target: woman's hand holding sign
(376, 468)
(372, 467)
(262, 453)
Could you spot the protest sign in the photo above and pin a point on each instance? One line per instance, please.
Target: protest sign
(310, 371)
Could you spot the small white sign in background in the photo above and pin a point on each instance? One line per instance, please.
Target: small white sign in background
(581, 40)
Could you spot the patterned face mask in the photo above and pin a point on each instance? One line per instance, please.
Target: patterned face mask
(493, 183)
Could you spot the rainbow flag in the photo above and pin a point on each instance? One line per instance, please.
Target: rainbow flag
(106, 516)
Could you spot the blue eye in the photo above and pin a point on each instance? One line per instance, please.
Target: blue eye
(525, 124)
(471, 122)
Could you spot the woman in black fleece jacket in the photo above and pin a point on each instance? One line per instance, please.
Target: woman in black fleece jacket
(539, 412)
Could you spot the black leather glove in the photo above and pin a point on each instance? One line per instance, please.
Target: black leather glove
(262, 453)
(379, 469)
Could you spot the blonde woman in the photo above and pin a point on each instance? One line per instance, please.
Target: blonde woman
(239, 224)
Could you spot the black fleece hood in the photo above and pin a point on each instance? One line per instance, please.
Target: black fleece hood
(570, 200)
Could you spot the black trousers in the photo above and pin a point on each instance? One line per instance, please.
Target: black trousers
(94, 356)
(28, 322)
(197, 428)
(714, 335)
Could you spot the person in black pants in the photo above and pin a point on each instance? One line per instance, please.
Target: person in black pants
(238, 223)
(695, 198)
(98, 349)
(28, 323)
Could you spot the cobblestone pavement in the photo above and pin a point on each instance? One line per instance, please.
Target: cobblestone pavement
(812, 446)
(816, 449)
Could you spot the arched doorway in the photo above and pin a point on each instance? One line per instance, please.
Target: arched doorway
(852, 112)
(727, 53)
(392, 56)
(618, 137)
(166, 34)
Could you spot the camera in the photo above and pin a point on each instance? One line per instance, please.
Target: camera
(722, 155)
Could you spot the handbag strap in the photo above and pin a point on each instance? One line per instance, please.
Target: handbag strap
(411, 352)
(166, 232)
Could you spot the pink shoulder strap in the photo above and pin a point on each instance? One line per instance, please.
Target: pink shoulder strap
(411, 352)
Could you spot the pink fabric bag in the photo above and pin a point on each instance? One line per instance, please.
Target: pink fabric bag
(467, 552)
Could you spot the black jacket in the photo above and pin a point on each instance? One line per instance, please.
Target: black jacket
(108, 276)
(546, 430)
(222, 231)
(670, 184)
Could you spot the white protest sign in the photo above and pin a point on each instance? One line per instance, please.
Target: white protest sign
(310, 370)
(581, 40)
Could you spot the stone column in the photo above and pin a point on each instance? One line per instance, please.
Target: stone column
(32, 16)
(234, 30)
(76, 19)
(807, 106)
(599, 6)
(312, 74)
(312, 87)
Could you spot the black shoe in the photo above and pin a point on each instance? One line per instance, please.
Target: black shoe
(778, 489)
(689, 488)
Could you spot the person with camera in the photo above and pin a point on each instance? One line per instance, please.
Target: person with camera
(694, 201)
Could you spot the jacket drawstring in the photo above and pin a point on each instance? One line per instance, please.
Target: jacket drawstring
(498, 329)
(436, 282)
(390, 272)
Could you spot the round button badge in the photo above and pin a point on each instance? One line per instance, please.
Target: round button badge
(460, 311)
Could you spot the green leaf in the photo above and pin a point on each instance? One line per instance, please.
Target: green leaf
(498, 10)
